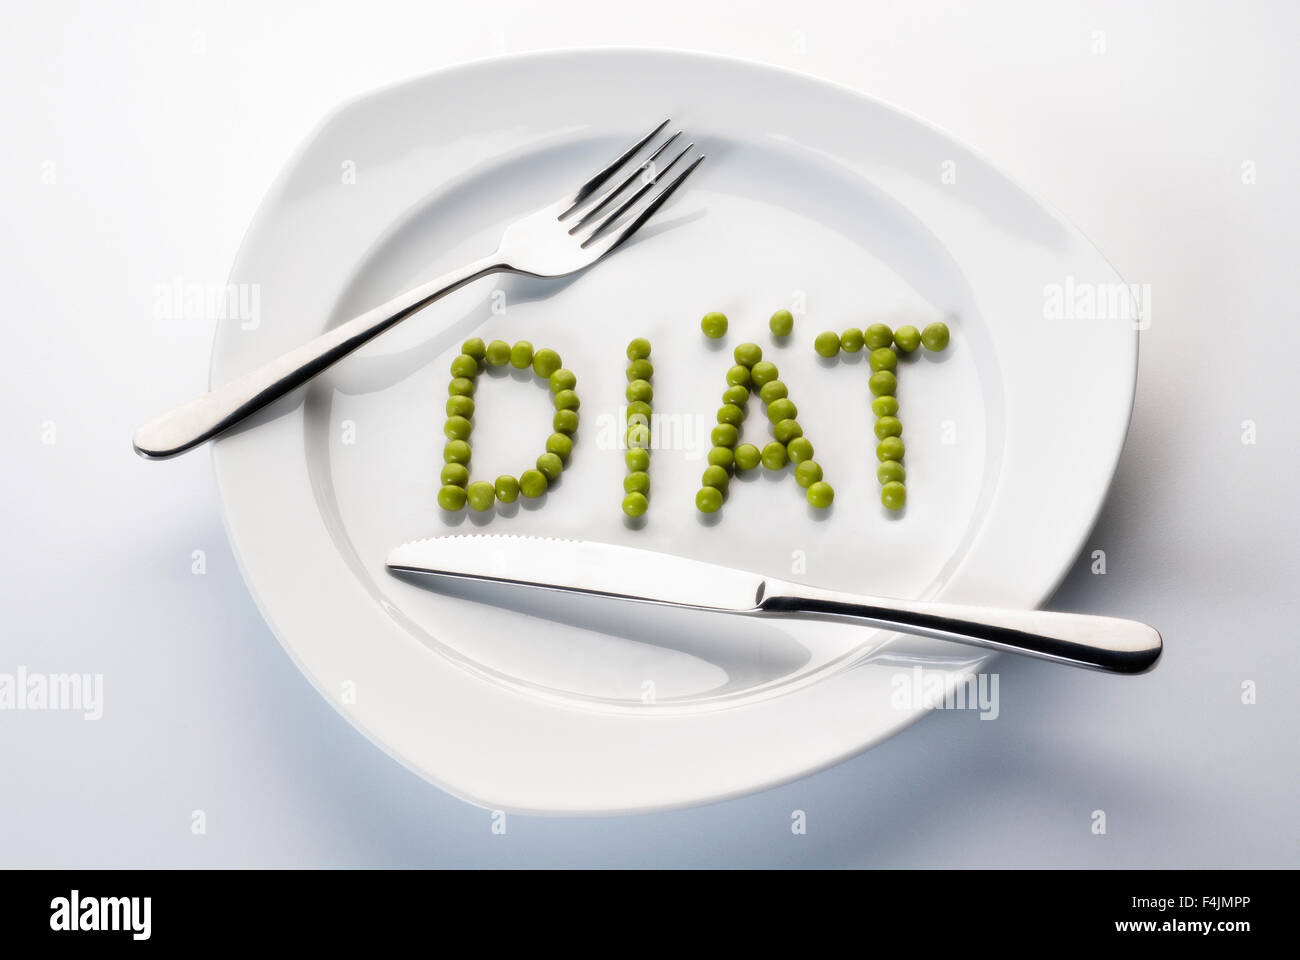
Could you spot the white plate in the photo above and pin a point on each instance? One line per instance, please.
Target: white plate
(813, 196)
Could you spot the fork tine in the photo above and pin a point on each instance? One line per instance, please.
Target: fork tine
(658, 200)
(626, 205)
(606, 200)
(599, 180)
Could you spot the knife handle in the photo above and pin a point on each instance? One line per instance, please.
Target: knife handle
(1099, 643)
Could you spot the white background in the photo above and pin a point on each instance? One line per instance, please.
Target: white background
(138, 140)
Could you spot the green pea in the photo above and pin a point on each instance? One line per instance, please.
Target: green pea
(638, 481)
(730, 413)
(638, 349)
(821, 495)
(498, 353)
(799, 449)
(827, 344)
(532, 484)
(935, 336)
(907, 338)
(708, 500)
(481, 495)
(460, 387)
(891, 471)
(883, 359)
(457, 428)
(786, 430)
(739, 395)
(807, 473)
(747, 457)
(781, 323)
(565, 421)
(550, 465)
(724, 435)
(561, 445)
(545, 362)
(891, 448)
(473, 347)
(782, 409)
(562, 379)
(722, 457)
(460, 406)
(738, 376)
(885, 406)
(639, 408)
(764, 372)
(635, 504)
(888, 427)
(507, 488)
(521, 355)
(640, 370)
(637, 436)
(883, 383)
(456, 451)
(775, 456)
(773, 390)
(566, 400)
(455, 474)
(714, 325)
(748, 354)
(715, 476)
(851, 340)
(637, 458)
(640, 390)
(464, 366)
(893, 495)
(451, 497)
(877, 335)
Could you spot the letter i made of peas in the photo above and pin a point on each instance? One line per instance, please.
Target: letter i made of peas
(457, 490)
(640, 394)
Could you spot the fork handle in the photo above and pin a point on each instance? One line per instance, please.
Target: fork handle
(217, 411)
(1100, 643)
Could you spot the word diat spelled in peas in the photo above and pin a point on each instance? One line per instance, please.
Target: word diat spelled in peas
(457, 490)
(884, 346)
(750, 374)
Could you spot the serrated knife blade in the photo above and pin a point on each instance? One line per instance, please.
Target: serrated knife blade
(582, 566)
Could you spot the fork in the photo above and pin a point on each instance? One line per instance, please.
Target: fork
(556, 241)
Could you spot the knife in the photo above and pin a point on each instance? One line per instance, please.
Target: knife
(645, 576)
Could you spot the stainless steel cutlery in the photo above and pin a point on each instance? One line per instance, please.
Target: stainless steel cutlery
(628, 573)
